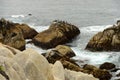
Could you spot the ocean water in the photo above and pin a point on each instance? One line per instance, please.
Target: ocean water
(91, 16)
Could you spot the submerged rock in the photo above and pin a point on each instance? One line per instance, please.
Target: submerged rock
(107, 66)
(58, 33)
(108, 40)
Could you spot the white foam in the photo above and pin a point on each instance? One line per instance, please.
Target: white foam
(96, 58)
(39, 28)
(17, 16)
(94, 29)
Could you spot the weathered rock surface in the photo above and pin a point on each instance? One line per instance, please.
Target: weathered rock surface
(11, 35)
(28, 33)
(65, 51)
(107, 66)
(58, 33)
(63, 54)
(102, 74)
(11, 70)
(29, 65)
(35, 66)
(108, 40)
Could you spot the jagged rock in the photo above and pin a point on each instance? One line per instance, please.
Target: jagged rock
(96, 72)
(72, 75)
(35, 66)
(108, 40)
(107, 66)
(28, 32)
(11, 35)
(58, 33)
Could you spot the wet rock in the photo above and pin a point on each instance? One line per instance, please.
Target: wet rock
(65, 51)
(27, 31)
(58, 33)
(96, 72)
(11, 35)
(107, 66)
(108, 40)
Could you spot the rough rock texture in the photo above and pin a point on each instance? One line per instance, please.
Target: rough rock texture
(63, 54)
(108, 40)
(28, 33)
(11, 35)
(107, 66)
(30, 65)
(59, 32)
(72, 75)
(65, 51)
(35, 66)
(96, 72)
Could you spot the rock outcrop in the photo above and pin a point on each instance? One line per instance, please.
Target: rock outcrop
(11, 35)
(14, 34)
(29, 65)
(63, 54)
(58, 33)
(108, 40)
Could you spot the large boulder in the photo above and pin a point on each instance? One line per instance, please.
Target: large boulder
(28, 32)
(11, 35)
(35, 66)
(59, 32)
(108, 40)
(10, 70)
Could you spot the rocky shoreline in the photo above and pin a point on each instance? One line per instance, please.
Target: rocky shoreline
(19, 63)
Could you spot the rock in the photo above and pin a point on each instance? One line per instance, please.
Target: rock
(35, 66)
(96, 72)
(11, 35)
(58, 33)
(72, 75)
(5, 52)
(2, 77)
(107, 66)
(28, 32)
(71, 66)
(108, 40)
(63, 54)
(11, 70)
(58, 71)
(65, 51)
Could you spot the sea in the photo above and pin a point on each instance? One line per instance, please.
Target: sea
(90, 16)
